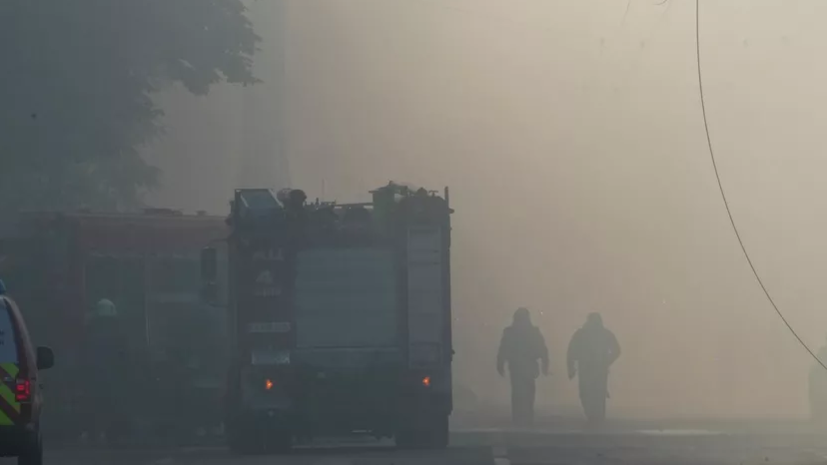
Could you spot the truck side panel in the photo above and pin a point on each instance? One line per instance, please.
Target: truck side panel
(425, 296)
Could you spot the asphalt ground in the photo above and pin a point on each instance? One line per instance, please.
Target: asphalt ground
(636, 443)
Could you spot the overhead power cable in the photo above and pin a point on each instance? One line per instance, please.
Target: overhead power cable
(723, 193)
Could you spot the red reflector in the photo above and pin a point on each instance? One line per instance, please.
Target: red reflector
(23, 390)
(426, 381)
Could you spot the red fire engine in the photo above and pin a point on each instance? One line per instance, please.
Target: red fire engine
(59, 265)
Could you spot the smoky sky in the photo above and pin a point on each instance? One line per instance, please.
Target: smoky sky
(570, 133)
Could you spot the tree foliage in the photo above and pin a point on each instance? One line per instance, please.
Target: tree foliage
(76, 85)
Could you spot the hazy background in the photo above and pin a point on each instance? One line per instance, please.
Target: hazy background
(570, 133)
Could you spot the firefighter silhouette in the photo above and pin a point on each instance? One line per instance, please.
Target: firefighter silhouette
(818, 388)
(105, 364)
(522, 345)
(592, 351)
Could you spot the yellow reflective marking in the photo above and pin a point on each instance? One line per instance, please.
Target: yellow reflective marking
(11, 368)
(5, 420)
(9, 397)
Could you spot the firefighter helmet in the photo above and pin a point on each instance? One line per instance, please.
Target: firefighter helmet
(105, 308)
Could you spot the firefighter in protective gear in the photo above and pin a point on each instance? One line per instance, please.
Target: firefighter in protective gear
(105, 363)
(818, 388)
(521, 347)
(105, 309)
(592, 350)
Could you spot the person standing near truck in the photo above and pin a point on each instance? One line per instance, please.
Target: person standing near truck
(522, 345)
(105, 363)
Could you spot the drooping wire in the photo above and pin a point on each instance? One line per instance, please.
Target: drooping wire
(626, 13)
(723, 193)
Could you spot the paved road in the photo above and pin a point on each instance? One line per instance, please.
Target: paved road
(672, 447)
(508, 447)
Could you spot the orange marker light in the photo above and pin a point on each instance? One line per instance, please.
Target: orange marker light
(426, 381)
(268, 384)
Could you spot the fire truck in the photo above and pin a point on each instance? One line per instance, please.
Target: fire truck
(147, 263)
(339, 317)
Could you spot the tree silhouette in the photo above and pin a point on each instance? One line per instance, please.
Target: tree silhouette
(76, 85)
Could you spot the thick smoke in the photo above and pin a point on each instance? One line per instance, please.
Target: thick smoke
(570, 135)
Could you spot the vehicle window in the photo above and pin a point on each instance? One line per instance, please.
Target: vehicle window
(8, 347)
(175, 275)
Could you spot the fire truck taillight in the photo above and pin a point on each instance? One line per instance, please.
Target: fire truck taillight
(268, 384)
(426, 381)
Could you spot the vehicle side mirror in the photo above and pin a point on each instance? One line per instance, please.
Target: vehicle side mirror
(45, 358)
(209, 293)
(209, 275)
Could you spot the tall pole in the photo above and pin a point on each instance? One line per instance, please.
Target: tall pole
(264, 158)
